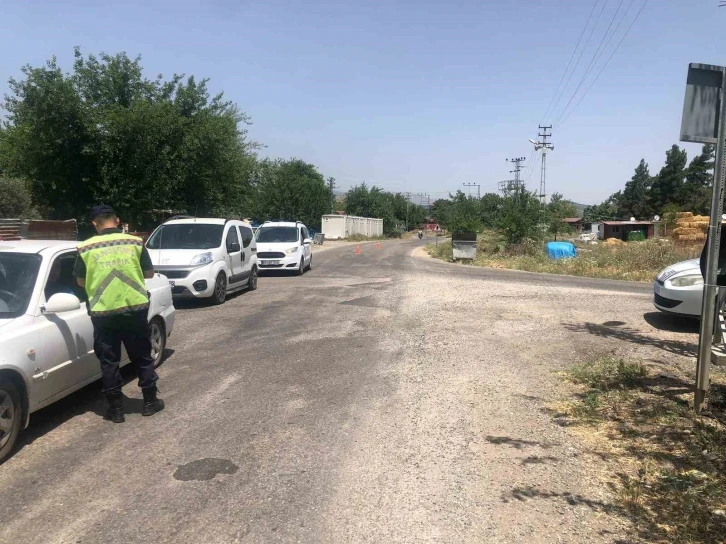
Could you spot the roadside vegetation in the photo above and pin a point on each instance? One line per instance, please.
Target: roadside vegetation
(632, 261)
(665, 466)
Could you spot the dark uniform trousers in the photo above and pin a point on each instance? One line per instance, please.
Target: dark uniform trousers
(133, 330)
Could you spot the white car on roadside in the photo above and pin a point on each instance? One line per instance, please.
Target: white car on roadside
(284, 245)
(679, 289)
(205, 258)
(46, 335)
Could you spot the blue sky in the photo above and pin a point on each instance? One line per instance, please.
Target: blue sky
(412, 96)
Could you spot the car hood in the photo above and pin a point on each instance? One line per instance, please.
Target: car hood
(692, 265)
(175, 257)
(276, 247)
(9, 325)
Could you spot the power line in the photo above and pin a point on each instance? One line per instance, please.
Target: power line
(579, 58)
(569, 63)
(601, 48)
(637, 15)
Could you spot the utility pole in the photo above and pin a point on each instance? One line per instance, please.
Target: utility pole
(517, 169)
(331, 187)
(545, 146)
(478, 188)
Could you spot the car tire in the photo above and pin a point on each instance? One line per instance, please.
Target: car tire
(11, 415)
(220, 289)
(252, 282)
(301, 269)
(310, 264)
(157, 336)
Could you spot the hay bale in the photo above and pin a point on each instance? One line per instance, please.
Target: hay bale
(700, 237)
(701, 218)
(614, 242)
(683, 220)
(685, 214)
(684, 231)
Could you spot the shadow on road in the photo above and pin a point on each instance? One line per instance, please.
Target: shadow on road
(87, 399)
(634, 336)
(671, 323)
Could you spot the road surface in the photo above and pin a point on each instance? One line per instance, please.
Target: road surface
(379, 398)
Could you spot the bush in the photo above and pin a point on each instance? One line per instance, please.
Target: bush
(15, 200)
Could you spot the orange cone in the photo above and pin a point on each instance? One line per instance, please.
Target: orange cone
(378, 245)
(357, 249)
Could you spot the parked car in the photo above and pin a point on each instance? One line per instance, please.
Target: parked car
(205, 258)
(679, 289)
(46, 335)
(284, 245)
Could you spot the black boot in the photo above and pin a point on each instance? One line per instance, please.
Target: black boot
(115, 410)
(151, 403)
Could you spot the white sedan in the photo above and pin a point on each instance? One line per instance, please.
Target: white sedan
(679, 289)
(46, 335)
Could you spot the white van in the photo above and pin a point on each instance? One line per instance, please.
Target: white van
(205, 258)
(284, 245)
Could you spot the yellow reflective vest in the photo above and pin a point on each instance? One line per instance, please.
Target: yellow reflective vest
(114, 279)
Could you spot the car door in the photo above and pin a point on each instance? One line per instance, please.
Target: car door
(248, 249)
(307, 248)
(66, 338)
(235, 256)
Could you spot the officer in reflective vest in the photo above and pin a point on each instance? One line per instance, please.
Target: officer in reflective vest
(112, 267)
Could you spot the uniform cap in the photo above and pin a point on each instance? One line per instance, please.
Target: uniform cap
(102, 209)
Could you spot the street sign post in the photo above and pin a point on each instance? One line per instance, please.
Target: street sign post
(704, 121)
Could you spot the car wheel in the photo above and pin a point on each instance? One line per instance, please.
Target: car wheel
(252, 283)
(157, 335)
(310, 264)
(220, 289)
(11, 414)
(301, 268)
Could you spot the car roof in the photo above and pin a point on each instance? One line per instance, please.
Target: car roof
(282, 224)
(35, 246)
(204, 221)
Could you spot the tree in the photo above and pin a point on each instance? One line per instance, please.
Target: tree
(520, 216)
(599, 212)
(667, 187)
(557, 210)
(439, 210)
(633, 201)
(491, 206)
(396, 210)
(463, 214)
(15, 200)
(696, 192)
(290, 190)
(104, 133)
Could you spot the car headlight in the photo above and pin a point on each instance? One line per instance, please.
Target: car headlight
(202, 258)
(291, 250)
(687, 281)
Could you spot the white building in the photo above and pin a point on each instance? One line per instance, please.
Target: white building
(339, 227)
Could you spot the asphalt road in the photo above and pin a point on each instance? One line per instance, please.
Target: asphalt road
(294, 414)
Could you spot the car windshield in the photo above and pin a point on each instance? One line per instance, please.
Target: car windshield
(18, 272)
(186, 236)
(277, 235)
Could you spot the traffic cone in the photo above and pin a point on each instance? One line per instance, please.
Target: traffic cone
(378, 245)
(357, 249)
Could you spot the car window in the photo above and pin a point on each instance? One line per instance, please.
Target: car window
(232, 237)
(186, 236)
(307, 233)
(276, 235)
(60, 277)
(246, 234)
(302, 235)
(18, 272)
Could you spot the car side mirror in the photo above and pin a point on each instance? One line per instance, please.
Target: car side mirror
(233, 247)
(61, 302)
(307, 241)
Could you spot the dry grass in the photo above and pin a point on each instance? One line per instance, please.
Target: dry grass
(633, 261)
(665, 465)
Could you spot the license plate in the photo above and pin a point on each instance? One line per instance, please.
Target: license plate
(657, 289)
(268, 263)
(172, 284)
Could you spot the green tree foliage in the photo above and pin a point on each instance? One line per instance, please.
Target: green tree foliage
(439, 210)
(667, 186)
(395, 209)
(290, 190)
(599, 212)
(490, 208)
(521, 216)
(463, 214)
(557, 210)
(15, 200)
(104, 133)
(634, 200)
(696, 192)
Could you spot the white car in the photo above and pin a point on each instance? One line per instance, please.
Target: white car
(205, 258)
(679, 289)
(46, 335)
(284, 245)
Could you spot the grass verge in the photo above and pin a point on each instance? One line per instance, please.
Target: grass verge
(665, 465)
(633, 261)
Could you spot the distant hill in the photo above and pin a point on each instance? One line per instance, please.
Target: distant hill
(580, 208)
